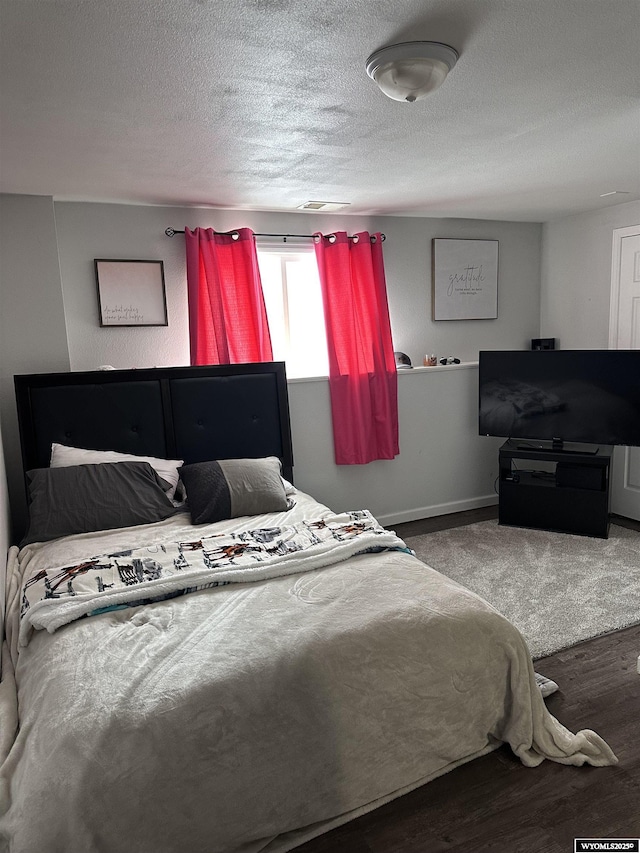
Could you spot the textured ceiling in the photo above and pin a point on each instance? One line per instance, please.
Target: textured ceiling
(265, 104)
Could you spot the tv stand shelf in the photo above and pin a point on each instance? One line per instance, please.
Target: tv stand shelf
(568, 492)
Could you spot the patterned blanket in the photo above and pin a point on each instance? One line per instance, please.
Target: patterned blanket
(56, 596)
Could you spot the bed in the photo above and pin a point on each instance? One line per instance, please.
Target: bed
(225, 686)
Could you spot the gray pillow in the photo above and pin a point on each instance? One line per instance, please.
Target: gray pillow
(228, 488)
(84, 498)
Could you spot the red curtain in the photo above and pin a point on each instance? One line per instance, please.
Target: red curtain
(227, 314)
(363, 379)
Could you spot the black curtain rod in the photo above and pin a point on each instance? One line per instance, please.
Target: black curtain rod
(171, 231)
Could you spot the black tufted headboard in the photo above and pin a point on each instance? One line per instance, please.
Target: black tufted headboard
(190, 413)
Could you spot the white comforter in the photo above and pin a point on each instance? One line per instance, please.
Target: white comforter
(252, 716)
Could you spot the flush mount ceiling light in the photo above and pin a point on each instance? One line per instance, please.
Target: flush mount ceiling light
(411, 70)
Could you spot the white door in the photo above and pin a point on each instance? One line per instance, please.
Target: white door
(624, 333)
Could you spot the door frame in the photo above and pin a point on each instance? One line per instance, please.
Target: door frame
(616, 259)
(621, 454)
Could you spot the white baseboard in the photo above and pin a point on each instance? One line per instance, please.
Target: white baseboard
(436, 509)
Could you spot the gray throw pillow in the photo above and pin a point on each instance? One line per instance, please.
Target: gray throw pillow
(228, 488)
(84, 498)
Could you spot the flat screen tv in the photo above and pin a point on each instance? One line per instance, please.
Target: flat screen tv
(585, 396)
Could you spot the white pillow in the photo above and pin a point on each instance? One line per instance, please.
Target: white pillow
(289, 488)
(64, 457)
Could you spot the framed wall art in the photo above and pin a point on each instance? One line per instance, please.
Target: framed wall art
(465, 279)
(131, 293)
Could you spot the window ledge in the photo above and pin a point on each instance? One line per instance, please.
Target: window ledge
(292, 380)
(464, 365)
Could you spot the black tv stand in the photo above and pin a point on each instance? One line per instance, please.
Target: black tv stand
(562, 490)
(558, 447)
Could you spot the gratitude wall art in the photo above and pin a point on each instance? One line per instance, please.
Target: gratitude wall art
(465, 279)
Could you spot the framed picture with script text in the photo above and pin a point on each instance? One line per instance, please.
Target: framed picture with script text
(465, 279)
(131, 293)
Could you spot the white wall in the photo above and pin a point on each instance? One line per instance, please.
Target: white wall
(33, 335)
(443, 464)
(576, 275)
(88, 231)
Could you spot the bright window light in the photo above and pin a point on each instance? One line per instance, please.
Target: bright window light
(293, 299)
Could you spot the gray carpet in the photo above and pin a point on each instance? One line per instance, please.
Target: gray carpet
(556, 588)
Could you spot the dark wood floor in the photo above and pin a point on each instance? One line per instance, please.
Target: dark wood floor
(496, 805)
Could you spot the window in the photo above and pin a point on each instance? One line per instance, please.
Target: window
(293, 299)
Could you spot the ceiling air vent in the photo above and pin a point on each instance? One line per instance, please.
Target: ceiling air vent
(323, 205)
